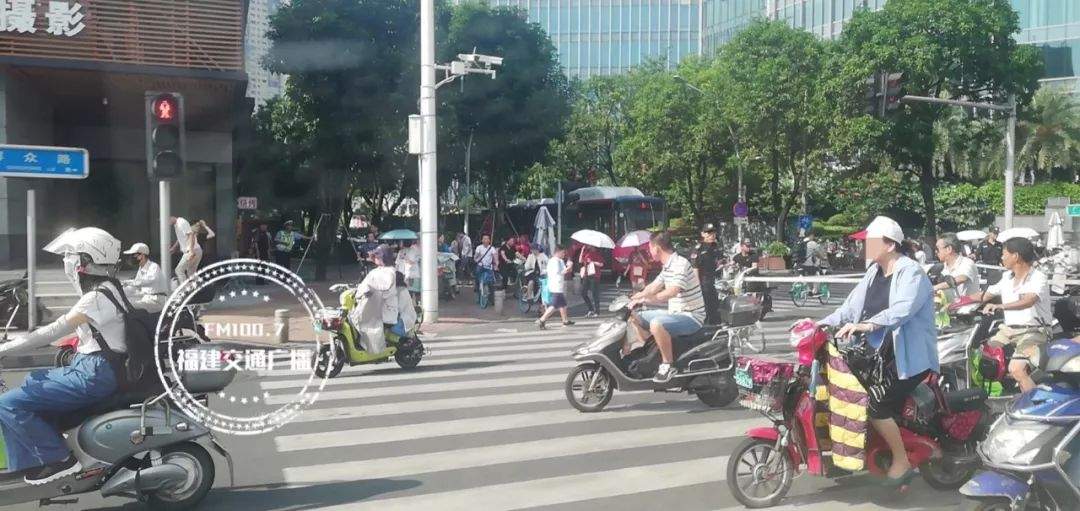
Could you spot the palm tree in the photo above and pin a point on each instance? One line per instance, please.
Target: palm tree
(1049, 134)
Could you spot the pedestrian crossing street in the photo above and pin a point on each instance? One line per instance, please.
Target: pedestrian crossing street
(483, 424)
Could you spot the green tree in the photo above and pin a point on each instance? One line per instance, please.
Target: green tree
(771, 81)
(945, 48)
(1049, 134)
(514, 117)
(679, 141)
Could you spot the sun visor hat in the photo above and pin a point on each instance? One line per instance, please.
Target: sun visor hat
(885, 227)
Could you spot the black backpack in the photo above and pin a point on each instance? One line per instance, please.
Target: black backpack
(136, 368)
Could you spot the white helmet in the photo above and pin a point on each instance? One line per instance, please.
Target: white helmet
(98, 250)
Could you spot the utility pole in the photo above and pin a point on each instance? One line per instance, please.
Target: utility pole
(429, 291)
(468, 182)
(1010, 140)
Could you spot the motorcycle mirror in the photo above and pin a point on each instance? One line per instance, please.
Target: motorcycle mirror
(619, 303)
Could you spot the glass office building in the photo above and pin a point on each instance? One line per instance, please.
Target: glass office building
(1052, 25)
(601, 37)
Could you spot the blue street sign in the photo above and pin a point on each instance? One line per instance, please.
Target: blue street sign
(46, 162)
(741, 210)
(806, 222)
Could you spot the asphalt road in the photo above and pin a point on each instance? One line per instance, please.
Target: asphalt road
(482, 424)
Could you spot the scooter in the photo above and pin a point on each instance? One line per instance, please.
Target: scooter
(940, 430)
(742, 311)
(135, 444)
(405, 348)
(447, 268)
(1032, 452)
(704, 361)
(13, 303)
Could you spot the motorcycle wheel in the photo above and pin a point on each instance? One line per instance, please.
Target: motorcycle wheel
(940, 477)
(64, 356)
(943, 478)
(193, 458)
(582, 399)
(322, 362)
(410, 351)
(986, 504)
(749, 473)
(721, 395)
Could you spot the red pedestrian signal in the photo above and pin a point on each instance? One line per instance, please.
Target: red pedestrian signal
(164, 135)
(165, 108)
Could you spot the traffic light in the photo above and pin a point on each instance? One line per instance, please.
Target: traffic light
(164, 135)
(873, 94)
(894, 90)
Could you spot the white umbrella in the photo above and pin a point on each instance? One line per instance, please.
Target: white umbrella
(1056, 237)
(970, 235)
(593, 238)
(1018, 232)
(634, 239)
(544, 232)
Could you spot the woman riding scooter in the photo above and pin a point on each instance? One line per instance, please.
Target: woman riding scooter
(894, 306)
(34, 447)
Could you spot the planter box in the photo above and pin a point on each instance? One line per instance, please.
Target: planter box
(770, 263)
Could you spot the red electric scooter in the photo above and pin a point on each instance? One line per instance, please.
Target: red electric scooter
(940, 431)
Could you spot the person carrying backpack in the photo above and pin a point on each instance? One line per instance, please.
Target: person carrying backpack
(34, 446)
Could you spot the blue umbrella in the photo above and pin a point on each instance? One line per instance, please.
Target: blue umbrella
(398, 234)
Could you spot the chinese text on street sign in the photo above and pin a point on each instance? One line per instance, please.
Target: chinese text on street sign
(47, 162)
(64, 18)
(1074, 209)
(247, 203)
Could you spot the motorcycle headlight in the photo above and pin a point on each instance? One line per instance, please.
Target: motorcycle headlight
(1017, 442)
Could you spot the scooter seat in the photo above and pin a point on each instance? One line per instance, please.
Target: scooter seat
(117, 401)
(701, 336)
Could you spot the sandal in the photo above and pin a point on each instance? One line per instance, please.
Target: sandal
(904, 480)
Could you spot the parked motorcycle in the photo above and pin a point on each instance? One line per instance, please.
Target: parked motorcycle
(703, 360)
(135, 444)
(406, 349)
(13, 304)
(1032, 452)
(940, 430)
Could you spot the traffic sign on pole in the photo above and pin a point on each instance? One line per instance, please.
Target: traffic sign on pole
(247, 203)
(44, 162)
(1074, 209)
(806, 222)
(741, 210)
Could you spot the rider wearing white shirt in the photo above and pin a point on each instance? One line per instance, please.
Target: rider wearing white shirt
(149, 288)
(964, 273)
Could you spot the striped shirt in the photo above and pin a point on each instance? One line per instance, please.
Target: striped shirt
(678, 272)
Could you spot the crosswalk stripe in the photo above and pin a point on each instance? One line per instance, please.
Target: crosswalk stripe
(564, 345)
(428, 405)
(379, 377)
(405, 390)
(515, 453)
(557, 490)
(426, 430)
(495, 337)
(434, 357)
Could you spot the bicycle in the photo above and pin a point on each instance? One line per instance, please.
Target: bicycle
(801, 292)
(531, 294)
(485, 281)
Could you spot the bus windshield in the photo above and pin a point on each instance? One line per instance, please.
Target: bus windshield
(635, 218)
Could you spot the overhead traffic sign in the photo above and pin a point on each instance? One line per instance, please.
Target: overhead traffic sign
(44, 162)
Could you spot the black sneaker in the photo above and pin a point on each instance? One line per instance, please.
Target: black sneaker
(541, 325)
(568, 323)
(53, 471)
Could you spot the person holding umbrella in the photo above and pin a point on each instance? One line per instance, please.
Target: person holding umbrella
(591, 261)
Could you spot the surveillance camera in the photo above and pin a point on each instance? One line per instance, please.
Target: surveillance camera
(476, 59)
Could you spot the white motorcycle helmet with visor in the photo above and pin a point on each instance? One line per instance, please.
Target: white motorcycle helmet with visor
(86, 251)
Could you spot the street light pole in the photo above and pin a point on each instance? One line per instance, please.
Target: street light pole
(429, 291)
(468, 182)
(1010, 163)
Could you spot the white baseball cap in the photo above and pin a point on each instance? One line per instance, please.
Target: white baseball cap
(885, 227)
(138, 248)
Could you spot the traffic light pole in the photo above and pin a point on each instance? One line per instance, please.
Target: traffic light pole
(164, 206)
(1010, 141)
